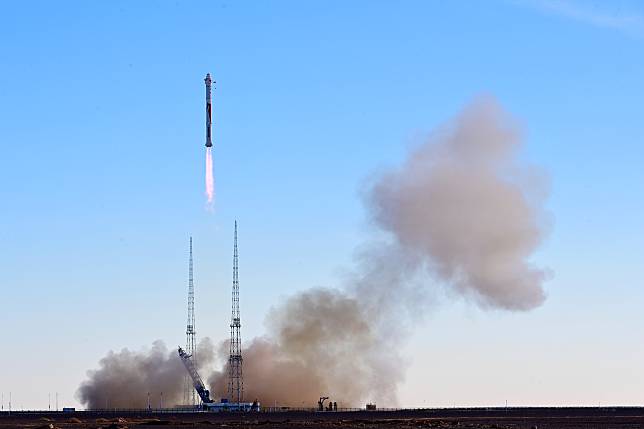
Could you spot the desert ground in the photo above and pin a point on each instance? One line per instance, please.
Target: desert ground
(495, 418)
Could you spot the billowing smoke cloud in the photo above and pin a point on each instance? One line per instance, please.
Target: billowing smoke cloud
(468, 210)
(461, 212)
(318, 342)
(124, 379)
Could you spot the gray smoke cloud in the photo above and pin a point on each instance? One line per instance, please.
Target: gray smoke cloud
(462, 213)
(124, 379)
(319, 342)
(467, 209)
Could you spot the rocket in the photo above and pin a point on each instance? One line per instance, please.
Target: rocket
(208, 111)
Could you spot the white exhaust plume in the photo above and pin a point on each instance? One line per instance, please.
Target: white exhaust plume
(210, 180)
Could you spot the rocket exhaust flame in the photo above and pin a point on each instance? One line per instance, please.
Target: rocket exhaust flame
(210, 180)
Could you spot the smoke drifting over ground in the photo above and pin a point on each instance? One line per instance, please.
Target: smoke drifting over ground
(318, 342)
(461, 213)
(124, 379)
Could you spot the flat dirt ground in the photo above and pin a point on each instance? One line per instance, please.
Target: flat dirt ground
(516, 418)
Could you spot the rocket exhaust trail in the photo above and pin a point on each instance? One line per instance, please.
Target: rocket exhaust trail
(210, 181)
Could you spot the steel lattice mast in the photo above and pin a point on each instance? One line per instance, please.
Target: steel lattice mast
(235, 379)
(191, 347)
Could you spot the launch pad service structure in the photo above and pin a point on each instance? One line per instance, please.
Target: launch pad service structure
(191, 342)
(188, 357)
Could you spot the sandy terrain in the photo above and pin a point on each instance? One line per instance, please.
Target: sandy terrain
(528, 418)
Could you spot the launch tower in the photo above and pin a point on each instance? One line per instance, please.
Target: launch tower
(235, 379)
(191, 346)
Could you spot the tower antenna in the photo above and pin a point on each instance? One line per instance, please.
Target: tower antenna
(191, 348)
(235, 381)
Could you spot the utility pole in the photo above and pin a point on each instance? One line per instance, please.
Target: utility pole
(191, 346)
(235, 380)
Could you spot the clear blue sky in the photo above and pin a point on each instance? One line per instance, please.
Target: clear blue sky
(101, 178)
